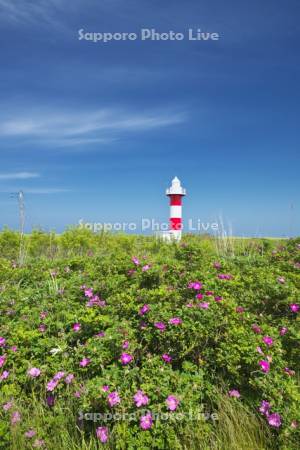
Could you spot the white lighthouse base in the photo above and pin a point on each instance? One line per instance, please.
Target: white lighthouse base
(170, 236)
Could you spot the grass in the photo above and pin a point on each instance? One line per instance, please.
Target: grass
(236, 428)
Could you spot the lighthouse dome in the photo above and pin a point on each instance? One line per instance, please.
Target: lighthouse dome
(176, 188)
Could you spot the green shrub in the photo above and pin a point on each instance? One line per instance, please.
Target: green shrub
(208, 357)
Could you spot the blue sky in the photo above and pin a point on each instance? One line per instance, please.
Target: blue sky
(97, 131)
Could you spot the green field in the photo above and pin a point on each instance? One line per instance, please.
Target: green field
(126, 342)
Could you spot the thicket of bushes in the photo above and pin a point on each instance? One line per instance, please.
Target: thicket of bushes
(174, 346)
(80, 241)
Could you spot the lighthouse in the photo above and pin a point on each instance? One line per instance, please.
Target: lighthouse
(175, 193)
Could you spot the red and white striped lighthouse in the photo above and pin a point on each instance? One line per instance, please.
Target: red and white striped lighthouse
(175, 193)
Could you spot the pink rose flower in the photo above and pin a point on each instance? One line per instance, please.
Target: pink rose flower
(268, 340)
(196, 285)
(265, 365)
(84, 362)
(209, 293)
(172, 402)
(5, 374)
(34, 372)
(113, 398)
(144, 309)
(2, 360)
(88, 293)
(126, 358)
(50, 399)
(102, 434)
(167, 358)
(283, 331)
(7, 406)
(160, 326)
(51, 385)
(100, 334)
(225, 276)
(146, 421)
(175, 321)
(203, 305)
(38, 443)
(125, 345)
(15, 418)
(256, 328)
(69, 378)
(140, 399)
(294, 307)
(234, 393)
(30, 433)
(58, 376)
(264, 407)
(274, 420)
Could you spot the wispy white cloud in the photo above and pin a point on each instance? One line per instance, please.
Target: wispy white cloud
(18, 175)
(46, 191)
(35, 191)
(77, 142)
(31, 12)
(57, 128)
(23, 176)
